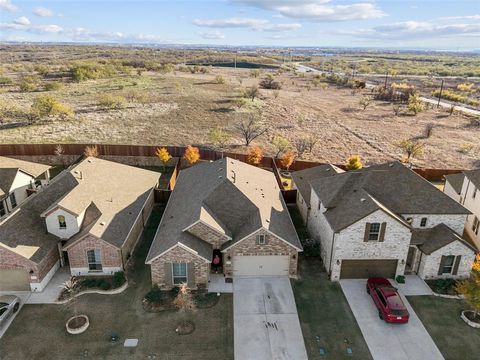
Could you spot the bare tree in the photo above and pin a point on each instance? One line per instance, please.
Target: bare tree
(311, 142)
(301, 144)
(252, 92)
(250, 129)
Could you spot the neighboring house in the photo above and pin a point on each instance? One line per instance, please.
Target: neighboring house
(465, 188)
(386, 221)
(230, 211)
(301, 182)
(89, 217)
(18, 179)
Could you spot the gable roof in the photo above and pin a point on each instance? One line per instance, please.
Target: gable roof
(234, 198)
(303, 178)
(456, 181)
(432, 239)
(31, 168)
(473, 176)
(24, 232)
(348, 196)
(7, 177)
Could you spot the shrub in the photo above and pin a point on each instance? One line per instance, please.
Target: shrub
(89, 71)
(400, 279)
(110, 101)
(219, 79)
(47, 105)
(52, 86)
(354, 162)
(104, 285)
(415, 105)
(174, 291)
(29, 83)
(452, 96)
(119, 279)
(269, 83)
(155, 295)
(5, 80)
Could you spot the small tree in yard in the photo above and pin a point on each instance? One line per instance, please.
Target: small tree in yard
(470, 289)
(252, 92)
(287, 159)
(91, 151)
(186, 305)
(281, 144)
(255, 155)
(219, 138)
(192, 154)
(250, 129)
(415, 105)
(163, 155)
(413, 149)
(365, 102)
(354, 162)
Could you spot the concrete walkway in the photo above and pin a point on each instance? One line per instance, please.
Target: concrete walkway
(414, 286)
(51, 292)
(217, 284)
(266, 325)
(388, 341)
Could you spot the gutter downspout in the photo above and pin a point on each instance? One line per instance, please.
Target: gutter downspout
(331, 256)
(466, 192)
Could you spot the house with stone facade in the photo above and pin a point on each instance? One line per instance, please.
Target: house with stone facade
(89, 218)
(386, 220)
(465, 188)
(226, 217)
(19, 179)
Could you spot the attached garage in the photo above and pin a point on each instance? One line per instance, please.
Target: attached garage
(364, 269)
(14, 280)
(261, 265)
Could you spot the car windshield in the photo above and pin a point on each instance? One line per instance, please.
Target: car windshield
(395, 302)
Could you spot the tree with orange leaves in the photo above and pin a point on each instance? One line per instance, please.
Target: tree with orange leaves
(255, 155)
(192, 154)
(163, 155)
(287, 159)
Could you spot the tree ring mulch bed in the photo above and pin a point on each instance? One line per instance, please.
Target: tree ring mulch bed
(185, 328)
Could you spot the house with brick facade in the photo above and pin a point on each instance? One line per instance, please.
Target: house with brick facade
(89, 218)
(386, 220)
(19, 179)
(226, 217)
(465, 188)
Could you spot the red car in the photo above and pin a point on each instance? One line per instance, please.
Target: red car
(389, 303)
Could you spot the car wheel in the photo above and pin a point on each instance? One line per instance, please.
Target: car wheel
(368, 290)
(16, 307)
(380, 315)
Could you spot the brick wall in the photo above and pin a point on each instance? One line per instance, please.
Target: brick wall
(208, 234)
(179, 255)
(249, 247)
(77, 254)
(430, 264)
(11, 260)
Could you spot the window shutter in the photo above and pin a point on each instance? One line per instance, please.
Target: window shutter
(191, 275)
(257, 240)
(457, 264)
(383, 226)
(266, 239)
(367, 232)
(168, 275)
(442, 262)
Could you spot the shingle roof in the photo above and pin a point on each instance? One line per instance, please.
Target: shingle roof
(34, 169)
(24, 232)
(233, 197)
(432, 239)
(473, 176)
(303, 178)
(7, 176)
(347, 196)
(456, 181)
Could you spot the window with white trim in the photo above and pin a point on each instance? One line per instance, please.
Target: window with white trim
(448, 264)
(62, 224)
(3, 210)
(13, 200)
(94, 258)
(475, 225)
(474, 195)
(179, 273)
(374, 233)
(262, 239)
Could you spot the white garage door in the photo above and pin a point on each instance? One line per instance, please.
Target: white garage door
(260, 265)
(14, 280)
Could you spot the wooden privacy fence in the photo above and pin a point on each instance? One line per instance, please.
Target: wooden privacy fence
(175, 151)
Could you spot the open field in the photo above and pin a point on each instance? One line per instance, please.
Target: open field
(178, 106)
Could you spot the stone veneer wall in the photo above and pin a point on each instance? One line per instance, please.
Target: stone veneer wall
(208, 234)
(249, 247)
(179, 255)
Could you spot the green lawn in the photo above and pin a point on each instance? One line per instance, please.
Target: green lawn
(39, 332)
(441, 317)
(325, 315)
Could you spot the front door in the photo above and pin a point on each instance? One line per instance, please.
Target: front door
(412, 251)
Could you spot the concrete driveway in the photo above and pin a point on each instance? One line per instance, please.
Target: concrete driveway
(388, 341)
(23, 295)
(266, 325)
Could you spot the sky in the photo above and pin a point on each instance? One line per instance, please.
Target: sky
(402, 24)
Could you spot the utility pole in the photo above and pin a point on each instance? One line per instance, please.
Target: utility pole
(440, 95)
(235, 60)
(386, 78)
